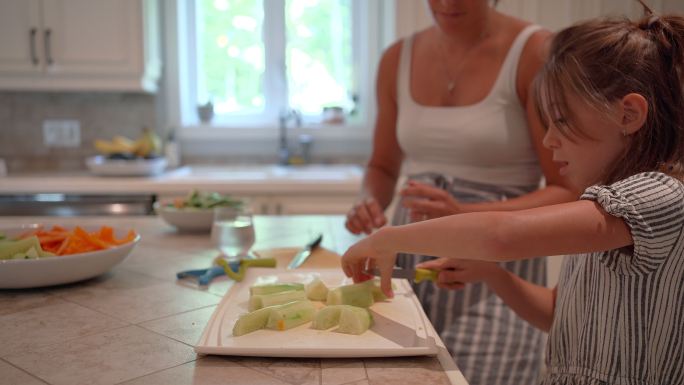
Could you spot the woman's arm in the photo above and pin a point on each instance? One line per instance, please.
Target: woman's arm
(567, 228)
(384, 165)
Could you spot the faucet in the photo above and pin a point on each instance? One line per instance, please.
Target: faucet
(284, 119)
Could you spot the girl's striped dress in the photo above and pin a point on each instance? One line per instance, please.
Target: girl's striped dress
(488, 341)
(619, 316)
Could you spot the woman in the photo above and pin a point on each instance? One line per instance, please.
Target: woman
(455, 116)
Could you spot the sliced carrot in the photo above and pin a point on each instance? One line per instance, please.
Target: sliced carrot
(107, 234)
(61, 241)
(63, 246)
(51, 238)
(89, 239)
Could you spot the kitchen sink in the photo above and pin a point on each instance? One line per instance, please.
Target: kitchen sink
(312, 172)
(317, 172)
(219, 172)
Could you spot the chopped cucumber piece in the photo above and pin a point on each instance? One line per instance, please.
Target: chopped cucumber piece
(10, 248)
(28, 254)
(351, 319)
(354, 320)
(327, 317)
(258, 301)
(359, 294)
(271, 288)
(291, 314)
(251, 322)
(316, 290)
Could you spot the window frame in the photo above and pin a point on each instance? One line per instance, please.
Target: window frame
(180, 89)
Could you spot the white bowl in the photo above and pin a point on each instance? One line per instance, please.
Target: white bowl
(99, 165)
(26, 273)
(186, 219)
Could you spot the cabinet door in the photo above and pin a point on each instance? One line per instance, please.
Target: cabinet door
(20, 38)
(86, 37)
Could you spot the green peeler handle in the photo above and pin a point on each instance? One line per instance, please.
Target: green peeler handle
(244, 264)
(259, 262)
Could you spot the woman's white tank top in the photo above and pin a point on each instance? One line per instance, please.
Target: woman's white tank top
(487, 142)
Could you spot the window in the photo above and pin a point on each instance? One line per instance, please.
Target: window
(255, 58)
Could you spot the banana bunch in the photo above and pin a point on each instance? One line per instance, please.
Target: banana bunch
(146, 146)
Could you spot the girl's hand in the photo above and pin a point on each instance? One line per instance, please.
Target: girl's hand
(366, 255)
(365, 216)
(455, 273)
(427, 202)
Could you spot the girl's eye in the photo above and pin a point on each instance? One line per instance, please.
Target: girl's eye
(559, 122)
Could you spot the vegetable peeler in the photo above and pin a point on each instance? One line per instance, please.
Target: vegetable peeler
(234, 269)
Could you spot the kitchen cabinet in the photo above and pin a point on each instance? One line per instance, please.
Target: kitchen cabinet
(79, 45)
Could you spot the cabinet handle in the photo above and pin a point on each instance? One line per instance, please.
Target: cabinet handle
(48, 47)
(32, 45)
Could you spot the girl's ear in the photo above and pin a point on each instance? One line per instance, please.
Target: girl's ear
(634, 113)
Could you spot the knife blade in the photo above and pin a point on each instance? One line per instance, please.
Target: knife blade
(417, 275)
(304, 253)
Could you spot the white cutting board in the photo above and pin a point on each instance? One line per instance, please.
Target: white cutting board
(399, 328)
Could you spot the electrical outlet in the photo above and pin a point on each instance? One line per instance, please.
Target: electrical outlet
(61, 133)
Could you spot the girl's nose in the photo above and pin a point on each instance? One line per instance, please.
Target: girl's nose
(550, 140)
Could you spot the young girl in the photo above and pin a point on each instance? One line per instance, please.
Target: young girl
(611, 98)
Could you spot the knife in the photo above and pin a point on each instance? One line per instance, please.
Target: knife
(417, 275)
(304, 253)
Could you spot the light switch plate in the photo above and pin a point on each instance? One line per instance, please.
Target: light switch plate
(61, 133)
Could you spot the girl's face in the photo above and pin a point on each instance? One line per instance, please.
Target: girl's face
(452, 16)
(585, 161)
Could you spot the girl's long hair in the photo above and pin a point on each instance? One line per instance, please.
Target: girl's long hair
(601, 61)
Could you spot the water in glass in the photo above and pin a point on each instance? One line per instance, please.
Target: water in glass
(233, 233)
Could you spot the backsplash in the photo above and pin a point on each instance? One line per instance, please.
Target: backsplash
(101, 115)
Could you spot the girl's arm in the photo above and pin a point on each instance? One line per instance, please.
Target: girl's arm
(567, 228)
(533, 303)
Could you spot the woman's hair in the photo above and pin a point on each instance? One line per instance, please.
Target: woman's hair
(601, 61)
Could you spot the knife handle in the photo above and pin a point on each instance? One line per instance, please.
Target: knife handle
(425, 275)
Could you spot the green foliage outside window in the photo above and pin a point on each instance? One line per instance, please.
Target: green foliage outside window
(231, 67)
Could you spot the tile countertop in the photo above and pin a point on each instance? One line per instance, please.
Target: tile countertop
(137, 325)
(254, 179)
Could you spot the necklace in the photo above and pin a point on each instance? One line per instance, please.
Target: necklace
(451, 82)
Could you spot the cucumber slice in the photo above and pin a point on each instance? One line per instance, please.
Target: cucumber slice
(10, 248)
(359, 294)
(316, 290)
(351, 319)
(271, 288)
(251, 322)
(258, 301)
(354, 320)
(291, 314)
(327, 317)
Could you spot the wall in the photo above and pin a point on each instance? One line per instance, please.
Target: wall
(101, 115)
(412, 15)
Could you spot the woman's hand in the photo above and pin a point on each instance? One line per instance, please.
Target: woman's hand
(365, 256)
(365, 216)
(455, 273)
(427, 202)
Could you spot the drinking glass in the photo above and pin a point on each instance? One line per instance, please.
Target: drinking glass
(233, 231)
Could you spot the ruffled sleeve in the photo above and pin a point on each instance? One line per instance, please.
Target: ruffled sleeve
(652, 205)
